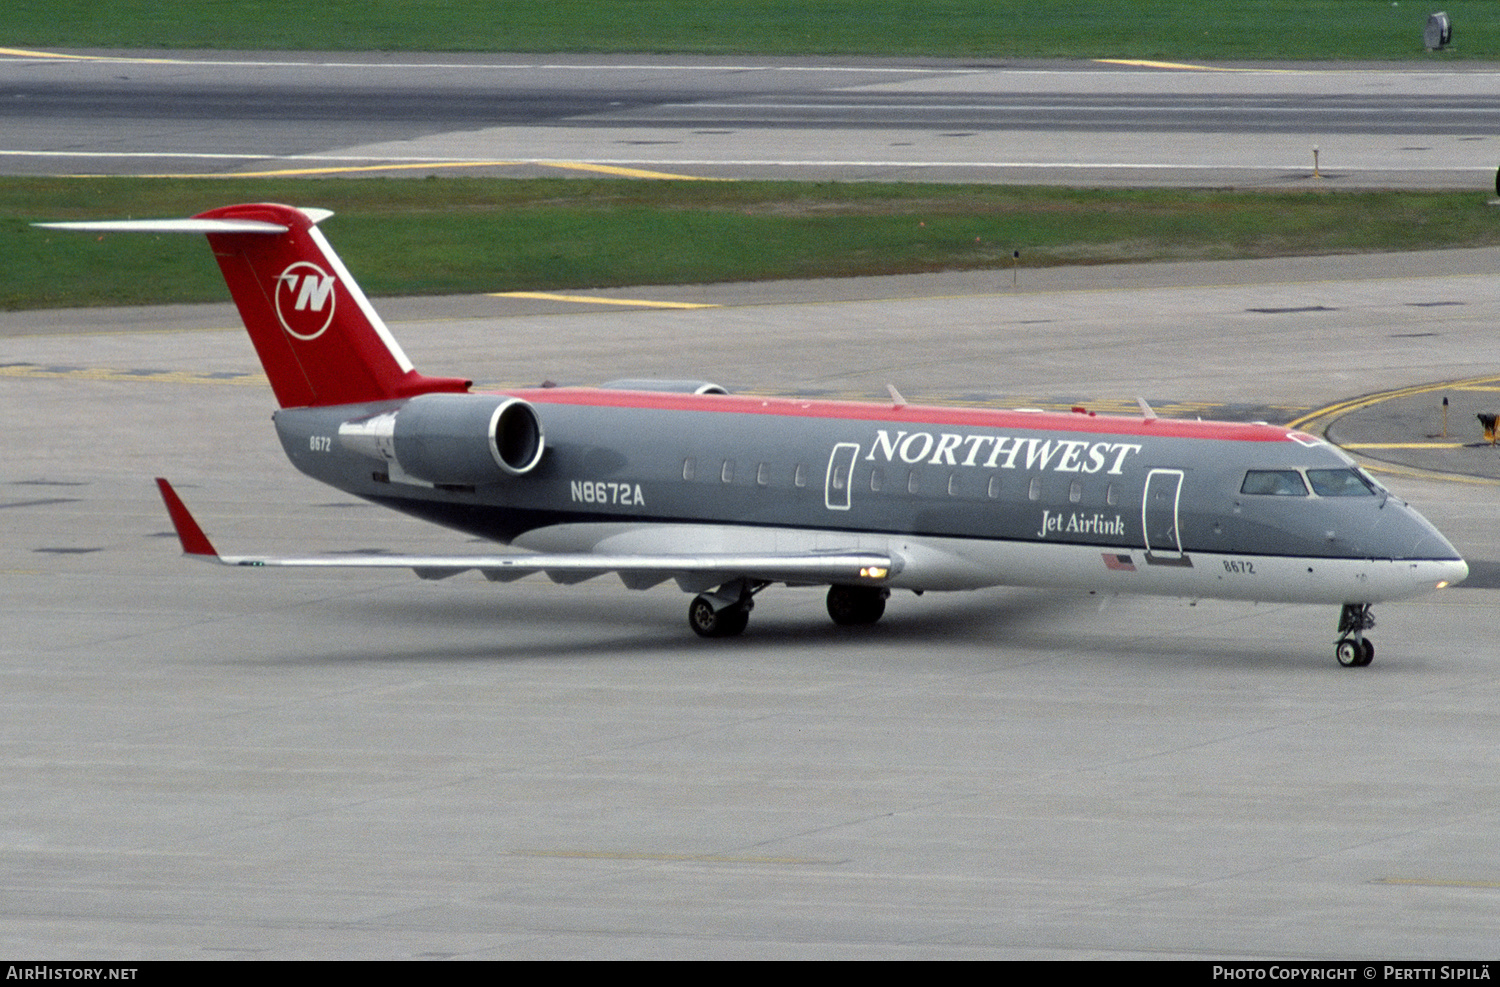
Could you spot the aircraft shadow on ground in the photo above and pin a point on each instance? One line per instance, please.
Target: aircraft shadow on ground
(572, 626)
(1483, 574)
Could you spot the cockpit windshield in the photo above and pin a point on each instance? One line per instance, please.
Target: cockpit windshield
(1340, 483)
(1281, 483)
(1325, 483)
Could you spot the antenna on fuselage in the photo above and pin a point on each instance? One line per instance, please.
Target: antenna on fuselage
(896, 399)
(1146, 411)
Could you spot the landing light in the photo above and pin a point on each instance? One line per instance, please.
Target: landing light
(874, 572)
(1442, 584)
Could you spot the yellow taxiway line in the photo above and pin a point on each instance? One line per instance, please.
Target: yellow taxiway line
(595, 300)
(1147, 64)
(27, 53)
(34, 372)
(1402, 445)
(1317, 421)
(436, 165)
(1355, 404)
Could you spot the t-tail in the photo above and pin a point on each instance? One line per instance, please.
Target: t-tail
(319, 338)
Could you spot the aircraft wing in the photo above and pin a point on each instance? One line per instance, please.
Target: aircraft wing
(694, 573)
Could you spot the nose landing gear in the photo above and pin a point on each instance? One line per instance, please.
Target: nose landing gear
(1353, 649)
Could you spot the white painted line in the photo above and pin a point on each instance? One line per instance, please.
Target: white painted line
(1299, 165)
(28, 55)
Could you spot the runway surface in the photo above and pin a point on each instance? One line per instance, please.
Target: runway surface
(202, 763)
(1089, 123)
(206, 763)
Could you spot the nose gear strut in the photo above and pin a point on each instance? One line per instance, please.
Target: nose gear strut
(1353, 649)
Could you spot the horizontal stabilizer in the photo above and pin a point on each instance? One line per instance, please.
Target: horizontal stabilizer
(168, 226)
(317, 335)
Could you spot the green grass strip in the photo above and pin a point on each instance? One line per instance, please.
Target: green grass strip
(462, 235)
(987, 29)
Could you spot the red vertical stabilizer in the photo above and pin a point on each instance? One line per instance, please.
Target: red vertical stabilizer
(319, 339)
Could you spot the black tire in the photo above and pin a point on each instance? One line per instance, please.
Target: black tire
(852, 606)
(734, 620)
(702, 618)
(708, 622)
(1367, 649)
(1349, 653)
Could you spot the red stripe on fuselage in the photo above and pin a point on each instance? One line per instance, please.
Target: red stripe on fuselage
(733, 404)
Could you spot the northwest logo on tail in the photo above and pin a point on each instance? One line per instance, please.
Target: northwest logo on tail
(305, 300)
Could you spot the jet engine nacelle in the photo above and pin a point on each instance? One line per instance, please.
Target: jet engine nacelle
(453, 438)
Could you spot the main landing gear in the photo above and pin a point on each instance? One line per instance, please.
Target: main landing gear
(1353, 649)
(725, 612)
(851, 606)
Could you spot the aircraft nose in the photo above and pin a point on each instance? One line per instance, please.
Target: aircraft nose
(1430, 544)
(1415, 537)
(1438, 562)
(1451, 573)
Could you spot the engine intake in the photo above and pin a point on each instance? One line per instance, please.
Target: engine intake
(453, 438)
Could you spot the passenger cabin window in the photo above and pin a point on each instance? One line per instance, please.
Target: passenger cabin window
(1339, 483)
(1034, 492)
(1075, 492)
(799, 476)
(726, 473)
(762, 474)
(994, 490)
(689, 468)
(1280, 483)
(877, 480)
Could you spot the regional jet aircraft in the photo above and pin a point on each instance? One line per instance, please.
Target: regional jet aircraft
(726, 495)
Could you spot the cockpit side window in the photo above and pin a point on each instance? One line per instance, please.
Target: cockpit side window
(1281, 483)
(1340, 483)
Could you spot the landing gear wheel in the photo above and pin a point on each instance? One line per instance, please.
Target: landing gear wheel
(1348, 652)
(1355, 654)
(1353, 649)
(708, 622)
(734, 620)
(850, 606)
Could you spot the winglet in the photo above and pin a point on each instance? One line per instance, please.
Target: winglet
(194, 541)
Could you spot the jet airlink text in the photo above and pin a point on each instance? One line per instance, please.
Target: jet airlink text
(1081, 524)
(1001, 452)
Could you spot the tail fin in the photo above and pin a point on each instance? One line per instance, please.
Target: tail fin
(317, 335)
